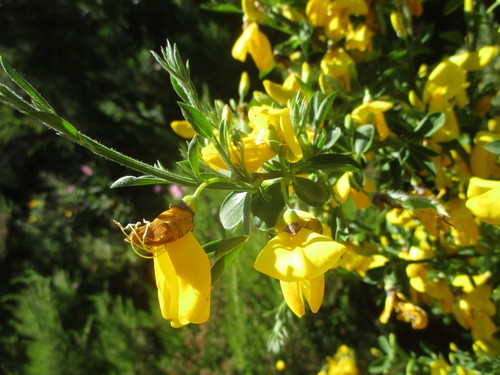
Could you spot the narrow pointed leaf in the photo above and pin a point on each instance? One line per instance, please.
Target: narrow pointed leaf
(197, 121)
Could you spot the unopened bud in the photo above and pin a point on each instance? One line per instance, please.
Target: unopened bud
(244, 85)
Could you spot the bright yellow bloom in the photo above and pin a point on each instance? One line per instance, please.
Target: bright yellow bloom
(462, 224)
(355, 259)
(253, 151)
(181, 266)
(444, 89)
(405, 310)
(418, 274)
(316, 12)
(476, 60)
(483, 199)
(398, 24)
(343, 362)
(254, 42)
(474, 309)
(359, 38)
(483, 163)
(280, 365)
(251, 13)
(182, 129)
(299, 261)
(447, 80)
(372, 113)
(440, 367)
(261, 118)
(338, 65)
(282, 93)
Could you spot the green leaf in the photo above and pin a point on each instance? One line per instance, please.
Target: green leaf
(452, 36)
(221, 264)
(410, 202)
(332, 136)
(55, 122)
(338, 225)
(429, 125)
(232, 209)
(137, 181)
(324, 108)
(197, 121)
(38, 99)
(363, 138)
(451, 6)
(493, 146)
(9, 97)
(179, 89)
(375, 275)
(313, 193)
(267, 207)
(224, 246)
(225, 8)
(194, 156)
(332, 162)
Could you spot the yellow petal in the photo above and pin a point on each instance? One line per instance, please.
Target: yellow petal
(293, 297)
(183, 129)
(314, 291)
(486, 206)
(184, 281)
(305, 255)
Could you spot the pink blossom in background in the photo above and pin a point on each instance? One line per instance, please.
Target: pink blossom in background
(157, 188)
(176, 191)
(86, 170)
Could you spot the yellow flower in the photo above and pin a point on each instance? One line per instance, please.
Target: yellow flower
(343, 362)
(359, 38)
(254, 42)
(299, 261)
(418, 274)
(372, 113)
(483, 199)
(181, 266)
(447, 80)
(463, 227)
(251, 12)
(280, 365)
(261, 118)
(405, 310)
(483, 163)
(398, 24)
(182, 129)
(476, 60)
(440, 367)
(354, 259)
(338, 65)
(282, 93)
(252, 150)
(316, 12)
(474, 309)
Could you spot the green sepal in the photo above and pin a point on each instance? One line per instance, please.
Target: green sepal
(219, 248)
(232, 211)
(313, 193)
(137, 181)
(197, 121)
(363, 138)
(267, 206)
(332, 162)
